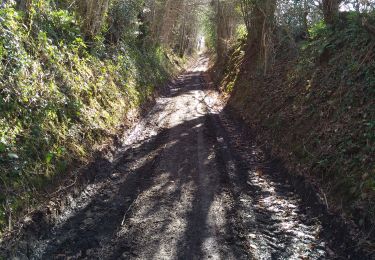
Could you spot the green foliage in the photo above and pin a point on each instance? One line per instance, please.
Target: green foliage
(59, 25)
(318, 29)
(123, 17)
(344, 79)
(233, 65)
(59, 98)
(209, 28)
(241, 32)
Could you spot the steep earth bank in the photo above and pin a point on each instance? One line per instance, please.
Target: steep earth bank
(314, 109)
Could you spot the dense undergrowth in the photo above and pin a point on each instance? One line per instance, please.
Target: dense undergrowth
(61, 96)
(316, 109)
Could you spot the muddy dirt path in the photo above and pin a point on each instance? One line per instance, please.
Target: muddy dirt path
(188, 183)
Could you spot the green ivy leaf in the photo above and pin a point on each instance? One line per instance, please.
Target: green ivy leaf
(2, 147)
(49, 157)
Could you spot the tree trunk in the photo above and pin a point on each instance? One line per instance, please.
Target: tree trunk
(261, 32)
(220, 31)
(171, 16)
(93, 13)
(331, 10)
(225, 20)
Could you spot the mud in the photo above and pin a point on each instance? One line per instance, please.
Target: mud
(188, 182)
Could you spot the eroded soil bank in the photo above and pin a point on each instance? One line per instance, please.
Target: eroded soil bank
(188, 182)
